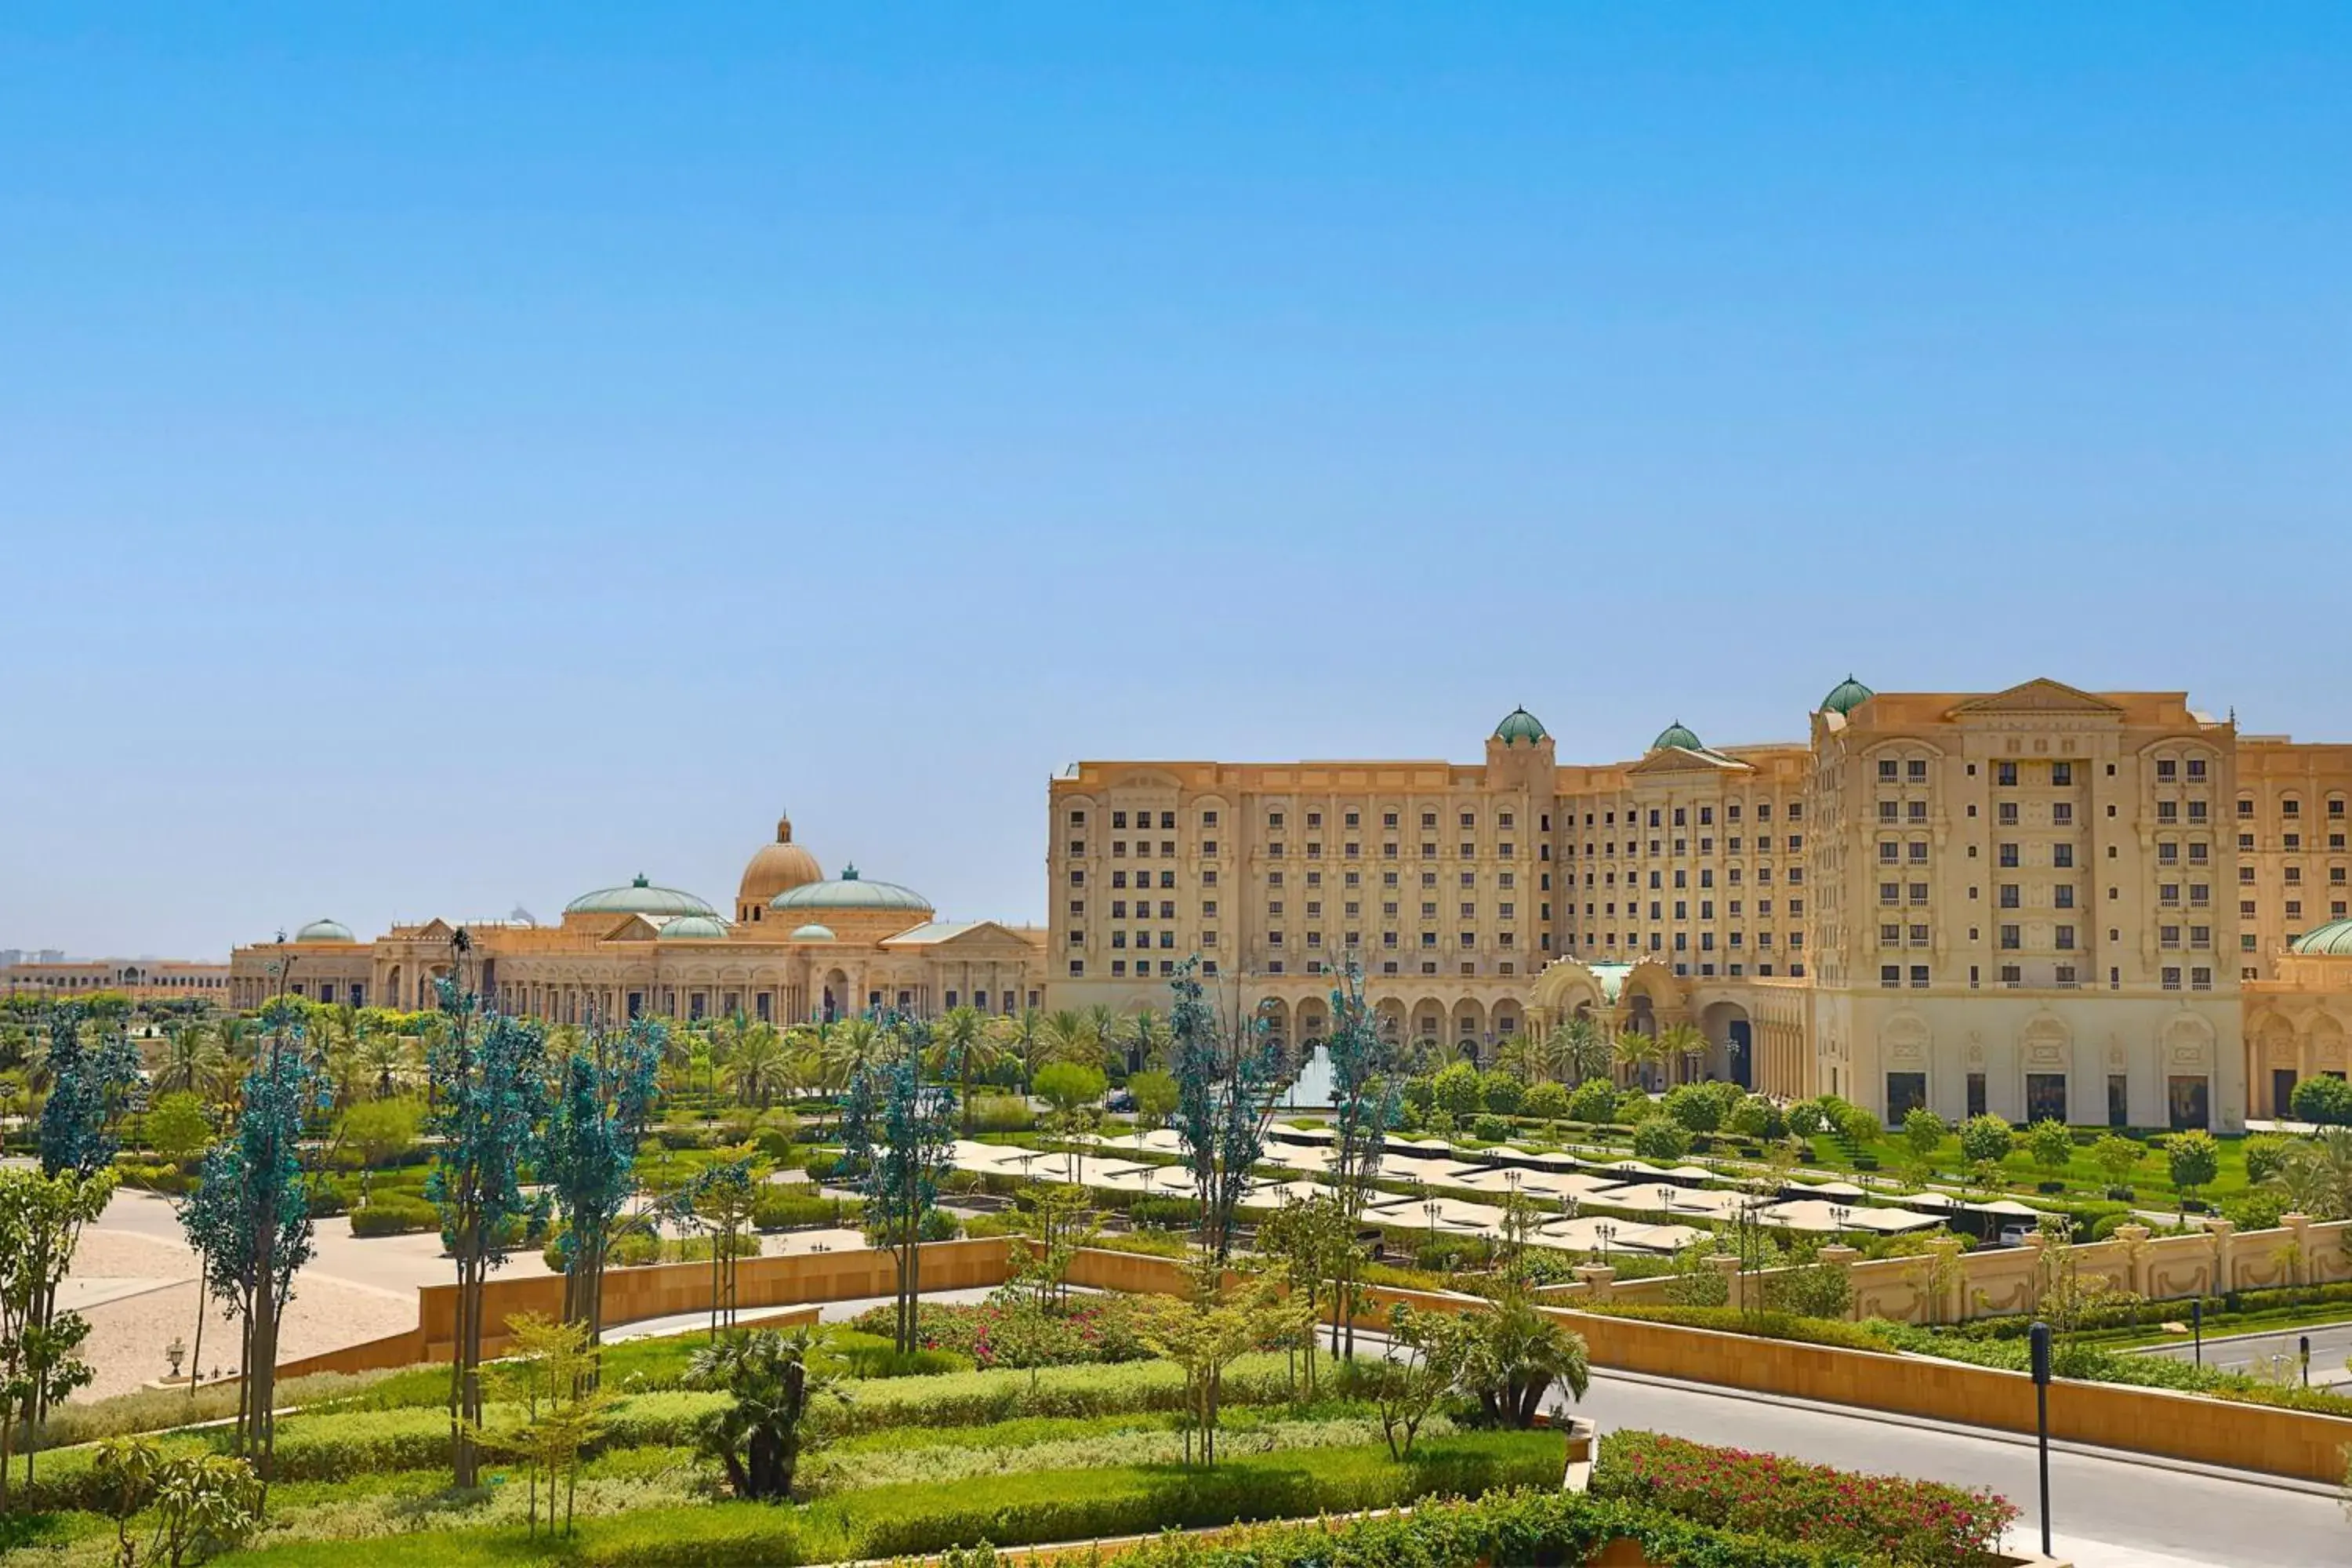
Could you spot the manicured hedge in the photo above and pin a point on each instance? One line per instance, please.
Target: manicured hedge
(390, 1214)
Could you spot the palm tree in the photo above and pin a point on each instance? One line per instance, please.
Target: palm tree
(1148, 1039)
(758, 1064)
(1583, 1049)
(849, 1047)
(1523, 1057)
(1068, 1036)
(192, 1059)
(2315, 1178)
(756, 1436)
(1685, 1041)
(387, 1059)
(1516, 1354)
(963, 1044)
(1638, 1051)
(1104, 1023)
(1024, 1032)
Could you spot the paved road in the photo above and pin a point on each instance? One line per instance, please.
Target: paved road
(2331, 1348)
(2108, 1511)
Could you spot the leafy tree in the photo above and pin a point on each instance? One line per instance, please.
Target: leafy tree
(721, 1197)
(93, 1067)
(2051, 1145)
(548, 1377)
(41, 1220)
(1986, 1139)
(201, 1502)
(1544, 1101)
(1226, 1083)
(1314, 1240)
(604, 1099)
(1458, 1090)
(1692, 1108)
(2323, 1100)
(2194, 1158)
(899, 1133)
(1661, 1139)
(1922, 1131)
(761, 1434)
(1595, 1100)
(2116, 1157)
(377, 1132)
(1427, 1353)
(1073, 1091)
(1204, 1331)
(176, 1126)
(1061, 1221)
(249, 1220)
(1155, 1096)
(1756, 1117)
(1515, 1355)
(1500, 1092)
(488, 1079)
(2263, 1154)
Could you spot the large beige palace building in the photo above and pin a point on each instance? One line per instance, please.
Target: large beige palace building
(2036, 901)
(800, 946)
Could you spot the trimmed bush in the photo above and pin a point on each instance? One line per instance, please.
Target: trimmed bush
(393, 1214)
(2322, 1100)
(1769, 1325)
(1544, 1102)
(783, 1208)
(1594, 1101)
(1661, 1140)
(1912, 1524)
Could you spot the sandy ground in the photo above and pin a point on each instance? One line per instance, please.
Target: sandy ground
(140, 1294)
(135, 1279)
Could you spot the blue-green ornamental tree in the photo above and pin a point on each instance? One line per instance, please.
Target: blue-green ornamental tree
(900, 1133)
(1367, 1100)
(588, 1161)
(249, 1216)
(489, 1078)
(88, 1087)
(1226, 1082)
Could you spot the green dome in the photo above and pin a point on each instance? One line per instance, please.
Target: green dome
(851, 891)
(325, 930)
(813, 932)
(1677, 734)
(694, 927)
(639, 898)
(2332, 940)
(1846, 695)
(1519, 725)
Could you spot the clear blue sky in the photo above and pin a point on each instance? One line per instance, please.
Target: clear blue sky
(457, 456)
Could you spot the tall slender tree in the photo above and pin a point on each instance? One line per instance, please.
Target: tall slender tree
(249, 1216)
(966, 1046)
(1227, 1080)
(1367, 1100)
(604, 1099)
(899, 1133)
(488, 1081)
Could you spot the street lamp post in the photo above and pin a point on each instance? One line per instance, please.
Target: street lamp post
(1604, 1233)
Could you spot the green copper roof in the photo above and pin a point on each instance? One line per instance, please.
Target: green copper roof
(1518, 725)
(639, 898)
(813, 932)
(2332, 940)
(325, 930)
(1677, 734)
(694, 927)
(1846, 695)
(851, 891)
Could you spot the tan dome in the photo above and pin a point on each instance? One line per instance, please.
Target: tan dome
(776, 869)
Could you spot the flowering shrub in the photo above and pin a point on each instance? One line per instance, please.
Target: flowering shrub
(1918, 1524)
(1017, 1333)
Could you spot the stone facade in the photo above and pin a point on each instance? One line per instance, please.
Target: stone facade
(802, 947)
(2039, 901)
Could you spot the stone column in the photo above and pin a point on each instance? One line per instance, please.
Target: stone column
(1728, 1265)
(2302, 1268)
(2225, 1255)
(2134, 1237)
(1951, 1303)
(1843, 1257)
(1598, 1278)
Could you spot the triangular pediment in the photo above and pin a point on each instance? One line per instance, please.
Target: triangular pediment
(1679, 760)
(964, 936)
(633, 928)
(435, 930)
(2040, 695)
